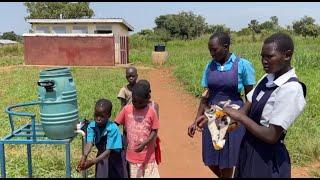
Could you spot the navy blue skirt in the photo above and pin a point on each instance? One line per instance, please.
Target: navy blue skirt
(227, 157)
(112, 167)
(261, 160)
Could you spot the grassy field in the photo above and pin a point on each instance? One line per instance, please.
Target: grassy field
(188, 59)
(11, 55)
(49, 160)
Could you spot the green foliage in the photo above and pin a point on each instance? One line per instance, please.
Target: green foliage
(162, 35)
(311, 30)
(254, 26)
(52, 10)
(217, 28)
(20, 85)
(146, 32)
(188, 59)
(271, 25)
(306, 27)
(11, 50)
(141, 48)
(244, 31)
(11, 36)
(185, 25)
(159, 35)
(11, 54)
(274, 20)
(268, 25)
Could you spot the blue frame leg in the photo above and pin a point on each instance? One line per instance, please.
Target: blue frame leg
(2, 161)
(29, 160)
(68, 165)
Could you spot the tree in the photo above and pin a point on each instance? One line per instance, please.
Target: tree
(162, 35)
(185, 25)
(306, 27)
(254, 26)
(146, 32)
(217, 28)
(274, 20)
(311, 30)
(299, 26)
(244, 31)
(56, 10)
(271, 25)
(11, 36)
(267, 25)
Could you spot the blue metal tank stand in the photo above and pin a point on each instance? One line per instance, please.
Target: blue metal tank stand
(31, 133)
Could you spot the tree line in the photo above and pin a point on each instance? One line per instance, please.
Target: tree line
(184, 25)
(188, 25)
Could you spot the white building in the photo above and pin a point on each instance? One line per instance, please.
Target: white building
(118, 28)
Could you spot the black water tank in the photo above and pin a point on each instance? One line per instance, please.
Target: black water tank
(159, 48)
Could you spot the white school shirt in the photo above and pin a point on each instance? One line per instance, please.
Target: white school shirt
(286, 102)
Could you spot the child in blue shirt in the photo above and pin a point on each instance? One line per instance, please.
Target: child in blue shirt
(105, 135)
(224, 78)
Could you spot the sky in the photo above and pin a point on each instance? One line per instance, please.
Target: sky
(141, 15)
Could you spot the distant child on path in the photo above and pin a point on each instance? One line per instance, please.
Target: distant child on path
(105, 135)
(141, 123)
(125, 93)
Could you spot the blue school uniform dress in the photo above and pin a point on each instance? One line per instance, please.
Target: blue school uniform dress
(225, 83)
(279, 103)
(108, 137)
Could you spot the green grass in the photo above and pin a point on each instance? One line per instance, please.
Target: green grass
(188, 59)
(314, 172)
(19, 85)
(11, 54)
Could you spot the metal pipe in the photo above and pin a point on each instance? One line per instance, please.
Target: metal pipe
(8, 109)
(80, 132)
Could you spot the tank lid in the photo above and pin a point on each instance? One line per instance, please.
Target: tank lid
(55, 71)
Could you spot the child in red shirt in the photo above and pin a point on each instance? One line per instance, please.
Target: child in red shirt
(154, 105)
(141, 123)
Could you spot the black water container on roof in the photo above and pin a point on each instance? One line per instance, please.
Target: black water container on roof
(159, 48)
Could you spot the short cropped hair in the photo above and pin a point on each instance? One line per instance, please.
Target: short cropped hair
(141, 90)
(106, 104)
(146, 82)
(223, 38)
(131, 68)
(283, 41)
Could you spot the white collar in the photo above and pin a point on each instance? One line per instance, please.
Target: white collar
(280, 80)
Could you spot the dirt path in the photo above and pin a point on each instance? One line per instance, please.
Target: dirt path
(304, 172)
(181, 155)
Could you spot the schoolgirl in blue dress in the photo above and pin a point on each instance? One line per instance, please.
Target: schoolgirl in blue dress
(226, 76)
(273, 105)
